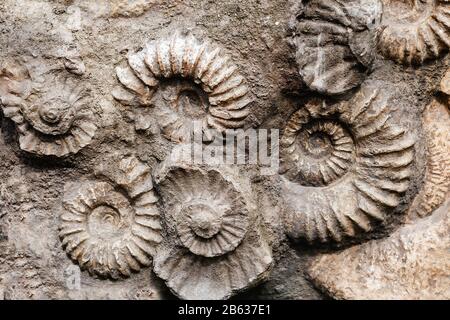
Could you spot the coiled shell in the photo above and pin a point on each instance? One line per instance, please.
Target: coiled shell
(108, 232)
(349, 180)
(53, 118)
(213, 248)
(168, 72)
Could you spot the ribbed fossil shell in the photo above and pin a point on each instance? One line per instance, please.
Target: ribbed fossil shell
(211, 218)
(415, 30)
(119, 8)
(316, 151)
(213, 248)
(436, 185)
(182, 66)
(336, 42)
(126, 8)
(52, 120)
(108, 232)
(354, 171)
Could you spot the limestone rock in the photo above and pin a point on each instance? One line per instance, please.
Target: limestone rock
(412, 263)
(95, 97)
(445, 84)
(345, 166)
(119, 8)
(436, 188)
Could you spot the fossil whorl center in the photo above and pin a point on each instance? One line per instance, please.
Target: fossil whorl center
(213, 247)
(184, 79)
(350, 169)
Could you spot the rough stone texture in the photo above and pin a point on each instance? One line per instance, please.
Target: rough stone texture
(106, 90)
(214, 246)
(223, 95)
(412, 263)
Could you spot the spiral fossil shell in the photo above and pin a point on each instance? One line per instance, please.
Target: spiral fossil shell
(213, 248)
(316, 151)
(181, 66)
(355, 169)
(108, 232)
(53, 120)
(335, 42)
(415, 30)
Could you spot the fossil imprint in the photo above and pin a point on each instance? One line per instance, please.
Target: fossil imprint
(52, 118)
(445, 86)
(185, 69)
(335, 42)
(110, 233)
(213, 247)
(349, 166)
(316, 151)
(415, 30)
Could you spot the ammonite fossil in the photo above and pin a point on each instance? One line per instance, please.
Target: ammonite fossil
(213, 247)
(317, 151)
(185, 80)
(415, 30)
(348, 164)
(336, 42)
(111, 231)
(52, 118)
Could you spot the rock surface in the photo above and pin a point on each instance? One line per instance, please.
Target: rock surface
(96, 95)
(412, 263)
